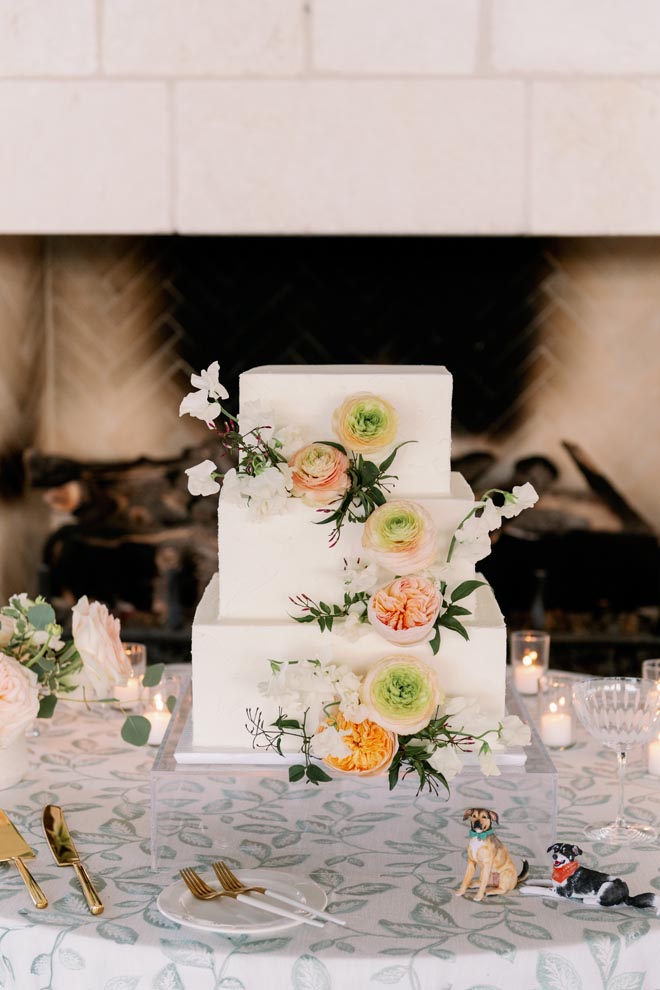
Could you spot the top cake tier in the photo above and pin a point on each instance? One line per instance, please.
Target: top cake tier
(306, 396)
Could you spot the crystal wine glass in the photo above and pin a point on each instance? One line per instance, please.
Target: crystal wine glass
(619, 712)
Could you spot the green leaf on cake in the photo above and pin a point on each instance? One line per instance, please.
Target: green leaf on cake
(317, 774)
(450, 623)
(296, 773)
(464, 589)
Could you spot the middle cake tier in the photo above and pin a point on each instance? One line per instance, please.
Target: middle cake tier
(231, 659)
(263, 562)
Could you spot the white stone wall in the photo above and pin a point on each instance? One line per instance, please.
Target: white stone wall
(429, 116)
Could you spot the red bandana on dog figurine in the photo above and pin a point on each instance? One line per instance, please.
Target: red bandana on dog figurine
(569, 879)
(497, 874)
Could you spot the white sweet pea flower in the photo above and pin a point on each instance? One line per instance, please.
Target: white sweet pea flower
(525, 497)
(256, 416)
(41, 636)
(201, 480)
(351, 628)
(266, 492)
(330, 742)
(466, 716)
(287, 474)
(487, 764)
(209, 382)
(362, 575)
(290, 440)
(515, 732)
(447, 761)
(197, 405)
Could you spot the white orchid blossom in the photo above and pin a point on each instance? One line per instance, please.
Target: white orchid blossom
(209, 382)
(197, 405)
(447, 761)
(523, 497)
(201, 480)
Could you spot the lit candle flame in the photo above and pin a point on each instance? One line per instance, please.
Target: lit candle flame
(553, 707)
(159, 704)
(530, 658)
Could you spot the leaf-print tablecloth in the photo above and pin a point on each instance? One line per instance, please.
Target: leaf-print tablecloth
(404, 926)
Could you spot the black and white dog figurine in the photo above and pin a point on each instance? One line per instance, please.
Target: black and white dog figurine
(569, 879)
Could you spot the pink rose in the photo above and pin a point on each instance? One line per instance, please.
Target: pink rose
(404, 611)
(96, 637)
(319, 474)
(19, 698)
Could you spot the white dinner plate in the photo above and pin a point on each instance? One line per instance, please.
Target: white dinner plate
(225, 915)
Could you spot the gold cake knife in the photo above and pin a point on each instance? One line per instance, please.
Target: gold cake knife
(14, 849)
(65, 853)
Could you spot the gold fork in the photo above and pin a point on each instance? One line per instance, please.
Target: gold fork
(230, 882)
(201, 890)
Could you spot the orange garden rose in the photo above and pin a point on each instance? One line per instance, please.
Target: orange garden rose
(401, 537)
(404, 611)
(319, 474)
(372, 748)
(365, 422)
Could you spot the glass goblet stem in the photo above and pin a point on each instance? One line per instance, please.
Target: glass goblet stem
(621, 762)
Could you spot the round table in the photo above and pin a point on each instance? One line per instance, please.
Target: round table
(405, 927)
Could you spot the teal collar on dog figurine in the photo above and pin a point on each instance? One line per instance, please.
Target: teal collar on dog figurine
(481, 835)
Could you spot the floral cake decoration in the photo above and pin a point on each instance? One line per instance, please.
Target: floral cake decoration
(274, 465)
(395, 719)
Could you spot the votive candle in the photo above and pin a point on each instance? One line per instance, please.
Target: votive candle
(654, 757)
(159, 717)
(556, 728)
(527, 673)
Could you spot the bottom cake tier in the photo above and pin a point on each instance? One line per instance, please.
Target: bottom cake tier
(231, 658)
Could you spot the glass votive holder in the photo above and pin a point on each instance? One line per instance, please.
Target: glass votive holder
(137, 655)
(651, 671)
(557, 720)
(159, 704)
(529, 650)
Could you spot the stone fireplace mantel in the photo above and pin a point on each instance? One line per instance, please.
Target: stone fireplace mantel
(336, 116)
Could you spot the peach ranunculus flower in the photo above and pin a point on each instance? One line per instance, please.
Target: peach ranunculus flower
(319, 474)
(401, 537)
(364, 422)
(371, 747)
(96, 637)
(404, 611)
(19, 698)
(402, 694)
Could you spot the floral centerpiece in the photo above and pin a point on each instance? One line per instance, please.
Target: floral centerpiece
(38, 667)
(275, 465)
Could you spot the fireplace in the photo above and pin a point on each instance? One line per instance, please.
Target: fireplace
(546, 387)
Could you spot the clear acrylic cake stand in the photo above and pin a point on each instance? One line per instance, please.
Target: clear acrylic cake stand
(247, 813)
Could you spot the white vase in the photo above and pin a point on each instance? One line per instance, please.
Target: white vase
(14, 762)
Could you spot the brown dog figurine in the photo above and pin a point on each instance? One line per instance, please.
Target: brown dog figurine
(491, 856)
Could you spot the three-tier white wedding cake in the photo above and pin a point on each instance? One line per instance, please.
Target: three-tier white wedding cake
(246, 616)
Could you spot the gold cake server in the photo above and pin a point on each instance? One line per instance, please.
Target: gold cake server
(14, 849)
(65, 853)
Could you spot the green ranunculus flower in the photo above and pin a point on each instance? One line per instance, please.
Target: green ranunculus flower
(402, 694)
(365, 422)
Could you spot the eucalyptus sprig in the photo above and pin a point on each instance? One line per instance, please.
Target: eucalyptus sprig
(369, 484)
(271, 736)
(326, 614)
